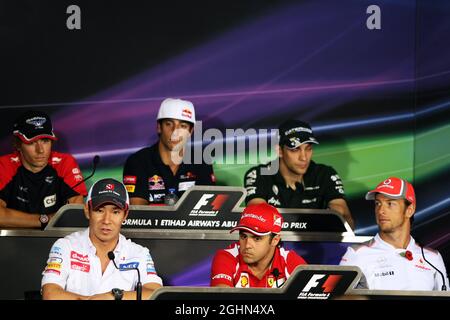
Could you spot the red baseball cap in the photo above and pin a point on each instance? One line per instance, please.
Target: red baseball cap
(394, 188)
(260, 219)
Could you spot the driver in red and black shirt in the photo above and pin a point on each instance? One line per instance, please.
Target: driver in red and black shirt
(34, 180)
(257, 260)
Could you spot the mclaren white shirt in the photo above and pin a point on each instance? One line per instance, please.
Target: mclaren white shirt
(387, 268)
(74, 265)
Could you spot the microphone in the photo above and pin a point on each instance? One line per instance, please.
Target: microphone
(444, 287)
(95, 162)
(276, 274)
(111, 257)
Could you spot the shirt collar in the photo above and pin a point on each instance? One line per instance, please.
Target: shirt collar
(156, 157)
(279, 180)
(384, 244)
(276, 264)
(93, 250)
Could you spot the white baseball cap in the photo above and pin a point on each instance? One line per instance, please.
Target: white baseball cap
(177, 109)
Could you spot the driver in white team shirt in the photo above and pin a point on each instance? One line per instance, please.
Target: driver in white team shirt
(79, 266)
(392, 260)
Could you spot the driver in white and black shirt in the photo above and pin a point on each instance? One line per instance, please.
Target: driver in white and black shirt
(299, 182)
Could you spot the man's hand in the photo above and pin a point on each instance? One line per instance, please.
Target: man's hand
(340, 205)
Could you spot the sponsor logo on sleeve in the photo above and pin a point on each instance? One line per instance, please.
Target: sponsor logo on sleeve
(222, 276)
(15, 159)
(335, 177)
(56, 160)
(53, 267)
(55, 260)
(55, 251)
(340, 189)
(129, 179)
(50, 201)
(130, 188)
(150, 267)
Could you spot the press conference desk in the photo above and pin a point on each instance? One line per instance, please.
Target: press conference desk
(305, 283)
(182, 239)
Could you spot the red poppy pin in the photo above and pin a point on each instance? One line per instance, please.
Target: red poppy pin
(407, 254)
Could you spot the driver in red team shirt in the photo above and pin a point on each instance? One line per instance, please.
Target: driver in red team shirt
(257, 260)
(36, 181)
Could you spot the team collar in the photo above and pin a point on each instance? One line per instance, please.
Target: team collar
(92, 248)
(279, 180)
(411, 245)
(275, 263)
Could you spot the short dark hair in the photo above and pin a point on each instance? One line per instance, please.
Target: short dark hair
(191, 125)
(159, 121)
(16, 142)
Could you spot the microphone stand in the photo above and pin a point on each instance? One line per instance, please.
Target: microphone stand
(444, 287)
(138, 288)
(95, 162)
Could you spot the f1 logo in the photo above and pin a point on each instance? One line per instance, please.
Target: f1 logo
(203, 201)
(328, 286)
(216, 204)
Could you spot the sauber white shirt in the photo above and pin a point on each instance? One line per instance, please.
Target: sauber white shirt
(386, 268)
(74, 265)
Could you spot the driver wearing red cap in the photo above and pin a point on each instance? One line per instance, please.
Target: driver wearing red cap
(257, 260)
(392, 260)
